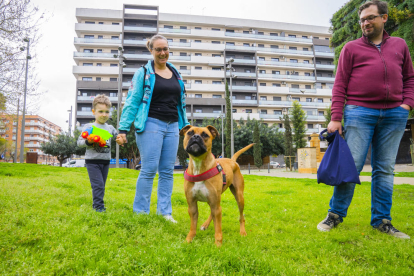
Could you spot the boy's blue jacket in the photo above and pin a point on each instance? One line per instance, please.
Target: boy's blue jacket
(139, 98)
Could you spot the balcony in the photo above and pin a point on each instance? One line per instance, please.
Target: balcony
(238, 116)
(197, 46)
(287, 77)
(95, 70)
(140, 29)
(325, 66)
(275, 117)
(244, 102)
(315, 118)
(242, 61)
(324, 54)
(96, 42)
(198, 60)
(32, 145)
(174, 31)
(129, 70)
(205, 87)
(285, 64)
(98, 56)
(276, 103)
(244, 88)
(97, 29)
(138, 56)
(186, 58)
(33, 131)
(131, 42)
(203, 115)
(203, 73)
(90, 99)
(84, 113)
(326, 79)
(242, 75)
(271, 50)
(270, 37)
(99, 85)
(302, 90)
(273, 89)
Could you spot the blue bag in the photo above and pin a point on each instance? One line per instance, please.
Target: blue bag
(337, 166)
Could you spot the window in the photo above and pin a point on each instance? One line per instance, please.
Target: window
(247, 71)
(246, 32)
(114, 37)
(114, 51)
(321, 113)
(292, 36)
(216, 96)
(216, 69)
(198, 68)
(216, 111)
(88, 50)
(274, 34)
(168, 27)
(305, 49)
(320, 100)
(329, 75)
(215, 42)
(247, 83)
(261, 58)
(276, 84)
(197, 41)
(318, 62)
(296, 99)
(316, 37)
(247, 57)
(310, 125)
(262, 84)
(183, 27)
(197, 28)
(99, 51)
(293, 61)
(184, 40)
(274, 46)
(88, 64)
(198, 95)
(294, 86)
(216, 55)
(277, 99)
(84, 94)
(307, 74)
(170, 40)
(234, 110)
(86, 108)
(216, 82)
(262, 71)
(308, 100)
(113, 65)
(275, 59)
(100, 36)
(197, 54)
(90, 22)
(198, 81)
(326, 38)
(304, 36)
(115, 23)
(263, 111)
(215, 29)
(306, 61)
(230, 43)
(99, 64)
(100, 23)
(197, 109)
(263, 98)
(89, 36)
(246, 44)
(183, 54)
(249, 111)
(229, 31)
(87, 78)
(276, 72)
(98, 78)
(260, 33)
(329, 63)
(319, 74)
(183, 67)
(307, 86)
(293, 48)
(260, 45)
(113, 79)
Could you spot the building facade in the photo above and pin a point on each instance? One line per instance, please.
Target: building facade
(274, 63)
(38, 130)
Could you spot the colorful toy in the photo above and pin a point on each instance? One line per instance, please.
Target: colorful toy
(96, 135)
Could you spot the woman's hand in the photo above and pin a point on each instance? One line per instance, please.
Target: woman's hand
(121, 139)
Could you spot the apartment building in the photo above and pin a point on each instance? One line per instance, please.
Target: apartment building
(274, 63)
(38, 130)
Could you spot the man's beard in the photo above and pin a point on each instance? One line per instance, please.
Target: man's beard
(375, 33)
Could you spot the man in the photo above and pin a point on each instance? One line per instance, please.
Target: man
(375, 78)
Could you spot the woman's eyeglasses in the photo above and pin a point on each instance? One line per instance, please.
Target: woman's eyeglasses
(159, 50)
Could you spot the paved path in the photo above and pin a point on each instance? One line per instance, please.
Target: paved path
(283, 173)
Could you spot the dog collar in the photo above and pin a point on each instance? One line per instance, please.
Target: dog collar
(206, 175)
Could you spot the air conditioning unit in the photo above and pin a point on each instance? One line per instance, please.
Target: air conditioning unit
(253, 44)
(283, 82)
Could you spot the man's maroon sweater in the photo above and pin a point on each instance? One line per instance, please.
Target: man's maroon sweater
(373, 78)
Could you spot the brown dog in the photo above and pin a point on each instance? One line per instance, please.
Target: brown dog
(198, 142)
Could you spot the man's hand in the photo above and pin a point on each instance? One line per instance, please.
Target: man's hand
(121, 139)
(406, 107)
(335, 125)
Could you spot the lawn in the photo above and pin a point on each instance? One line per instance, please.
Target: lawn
(397, 174)
(48, 227)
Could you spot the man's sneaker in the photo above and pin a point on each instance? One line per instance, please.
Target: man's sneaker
(101, 210)
(170, 218)
(387, 227)
(331, 221)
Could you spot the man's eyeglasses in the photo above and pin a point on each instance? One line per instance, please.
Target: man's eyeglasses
(370, 19)
(159, 50)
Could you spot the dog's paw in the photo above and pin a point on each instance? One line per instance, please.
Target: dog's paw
(202, 228)
(243, 233)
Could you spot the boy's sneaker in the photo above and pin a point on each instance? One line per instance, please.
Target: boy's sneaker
(331, 221)
(170, 218)
(386, 227)
(100, 210)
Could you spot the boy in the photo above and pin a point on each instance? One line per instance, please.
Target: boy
(97, 158)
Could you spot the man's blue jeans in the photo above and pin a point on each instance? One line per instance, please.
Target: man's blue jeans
(383, 129)
(158, 145)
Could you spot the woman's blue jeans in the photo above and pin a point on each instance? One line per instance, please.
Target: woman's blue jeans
(383, 130)
(158, 145)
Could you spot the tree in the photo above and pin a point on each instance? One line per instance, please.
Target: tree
(288, 139)
(298, 122)
(62, 147)
(19, 19)
(228, 123)
(216, 146)
(129, 150)
(328, 115)
(257, 147)
(181, 153)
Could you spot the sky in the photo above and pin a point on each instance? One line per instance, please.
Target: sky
(55, 50)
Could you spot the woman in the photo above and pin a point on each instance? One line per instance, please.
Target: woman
(156, 102)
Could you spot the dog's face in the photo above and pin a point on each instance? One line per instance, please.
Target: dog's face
(198, 140)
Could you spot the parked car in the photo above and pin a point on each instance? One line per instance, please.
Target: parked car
(274, 164)
(77, 163)
(138, 166)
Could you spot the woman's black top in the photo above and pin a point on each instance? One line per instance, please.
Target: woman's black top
(165, 97)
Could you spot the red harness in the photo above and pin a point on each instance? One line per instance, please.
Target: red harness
(206, 175)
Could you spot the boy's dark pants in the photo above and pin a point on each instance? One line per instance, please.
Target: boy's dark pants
(97, 176)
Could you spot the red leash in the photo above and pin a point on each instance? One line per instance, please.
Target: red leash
(206, 175)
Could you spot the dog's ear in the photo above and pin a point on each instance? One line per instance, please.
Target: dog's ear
(184, 130)
(213, 131)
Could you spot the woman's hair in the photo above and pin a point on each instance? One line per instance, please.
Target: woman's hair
(150, 42)
(101, 99)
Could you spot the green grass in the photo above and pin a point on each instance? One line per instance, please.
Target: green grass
(397, 174)
(48, 227)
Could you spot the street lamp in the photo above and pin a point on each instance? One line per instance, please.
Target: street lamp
(17, 130)
(27, 40)
(121, 66)
(222, 134)
(231, 69)
(70, 120)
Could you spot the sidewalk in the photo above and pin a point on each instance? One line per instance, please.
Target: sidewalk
(367, 168)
